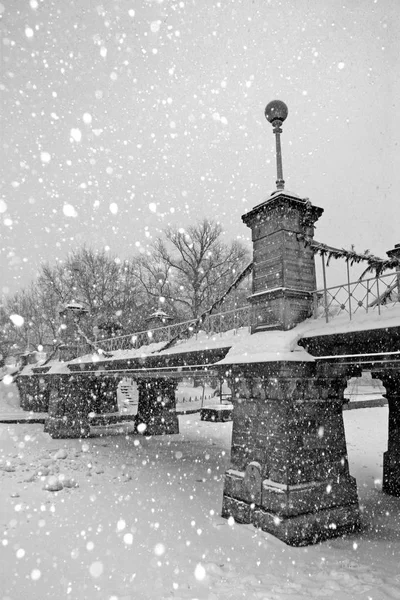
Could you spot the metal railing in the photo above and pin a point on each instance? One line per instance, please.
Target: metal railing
(364, 295)
(212, 324)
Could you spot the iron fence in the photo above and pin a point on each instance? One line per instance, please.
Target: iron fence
(364, 295)
(213, 324)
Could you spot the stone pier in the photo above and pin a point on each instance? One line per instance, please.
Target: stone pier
(103, 394)
(34, 392)
(391, 458)
(289, 472)
(69, 407)
(157, 406)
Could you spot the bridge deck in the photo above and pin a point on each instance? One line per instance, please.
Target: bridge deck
(368, 337)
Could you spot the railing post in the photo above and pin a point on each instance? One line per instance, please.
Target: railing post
(395, 253)
(325, 286)
(348, 286)
(315, 305)
(378, 294)
(398, 285)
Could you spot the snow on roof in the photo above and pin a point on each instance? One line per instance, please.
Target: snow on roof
(267, 346)
(361, 321)
(58, 367)
(204, 341)
(141, 352)
(276, 193)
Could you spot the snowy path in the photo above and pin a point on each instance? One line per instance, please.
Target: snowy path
(144, 522)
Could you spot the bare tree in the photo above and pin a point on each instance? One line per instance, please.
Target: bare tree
(185, 273)
(35, 323)
(105, 286)
(189, 270)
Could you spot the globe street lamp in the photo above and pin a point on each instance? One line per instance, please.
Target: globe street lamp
(276, 112)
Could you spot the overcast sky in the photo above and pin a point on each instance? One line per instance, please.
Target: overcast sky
(121, 117)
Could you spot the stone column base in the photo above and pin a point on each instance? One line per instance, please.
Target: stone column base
(391, 474)
(300, 530)
(165, 424)
(62, 428)
(297, 514)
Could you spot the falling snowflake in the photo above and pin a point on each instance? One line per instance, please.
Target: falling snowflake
(200, 572)
(96, 569)
(35, 574)
(69, 210)
(87, 118)
(45, 157)
(159, 549)
(121, 525)
(17, 320)
(155, 26)
(76, 134)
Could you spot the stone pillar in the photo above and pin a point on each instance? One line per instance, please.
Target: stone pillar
(103, 394)
(34, 393)
(157, 406)
(69, 407)
(22, 385)
(391, 458)
(289, 472)
(283, 263)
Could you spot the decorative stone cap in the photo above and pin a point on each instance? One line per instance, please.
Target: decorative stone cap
(395, 252)
(282, 198)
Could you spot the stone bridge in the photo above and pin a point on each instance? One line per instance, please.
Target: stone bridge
(289, 473)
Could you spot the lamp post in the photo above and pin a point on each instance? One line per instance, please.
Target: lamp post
(276, 112)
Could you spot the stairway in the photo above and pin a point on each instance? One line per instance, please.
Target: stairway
(127, 396)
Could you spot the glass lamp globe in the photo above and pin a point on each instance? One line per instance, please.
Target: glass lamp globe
(276, 110)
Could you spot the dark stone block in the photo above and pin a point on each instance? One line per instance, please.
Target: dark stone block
(34, 393)
(308, 498)
(391, 473)
(63, 427)
(156, 408)
(309, 528)
(216, 414)
(240, 511)
(165, 424)
(69, 407)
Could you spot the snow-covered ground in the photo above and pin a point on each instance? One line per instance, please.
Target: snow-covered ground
(144, 521)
